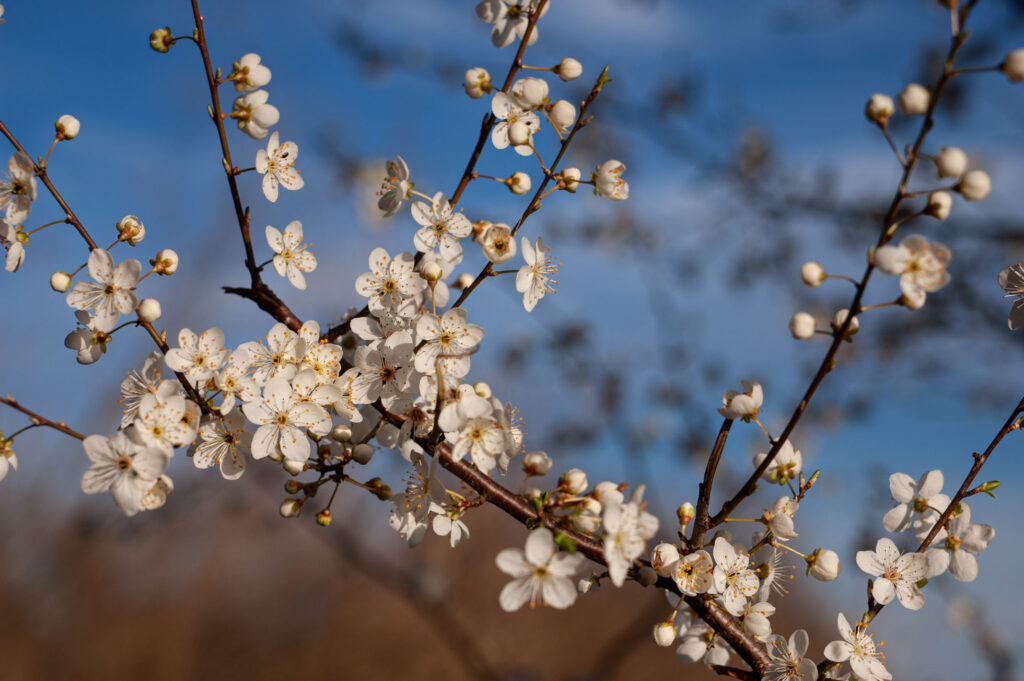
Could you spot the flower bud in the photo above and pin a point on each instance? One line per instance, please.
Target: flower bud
(685, 513)
(840, 318)
(432, 272)
(824, 565)
(518, 183)
(563, 115)
(570, 179)
(67, 127)
(477, 83)
(292, 486)
(1013, 65)
(536, 463)
(341, 433)
(951, 162)
(939, 205)
(989, 487)
(464, 281)
(646, 576)
(532, 493)
(530, 91)
(519, 134)
(914, 301)
(587, 585)
(663, 558)
(914, 99)
(60, 281)
(362, 453)
(975, 185)
(323, 518)
(812, 274)
(569, 69)
(802, 326)
(161, 39)
(293, 467)
(148, 310)
(290, 508)
(574, 481)
(608, 494)
(166, 262)
(664, 634)
(130, 230)
(879, 108)
(587, 519)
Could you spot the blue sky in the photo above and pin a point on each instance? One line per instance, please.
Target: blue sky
(800, 69)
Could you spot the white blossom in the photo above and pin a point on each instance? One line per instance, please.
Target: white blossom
(442, 227)
(859, 648)
(510, 19)
(225, 442)
(124, 468)
(112, 295)
(787, 659)
(277, 165)
(534, 280)
(255, 117)
(541, 574)
(897, 575)
(19, 190)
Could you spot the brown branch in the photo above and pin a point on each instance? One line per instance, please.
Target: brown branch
(40, 172)
(828, 362)
(734, 673)
(193, 394)
(268, 301)
(701, 518)
(38, 420)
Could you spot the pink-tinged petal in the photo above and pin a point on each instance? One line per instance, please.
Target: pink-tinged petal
(275, 239)
(930, 484)
(963, 566)
(101, 265)
(902, 487)
(540, 547)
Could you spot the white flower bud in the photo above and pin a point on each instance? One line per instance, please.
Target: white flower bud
(587, 519)
(530, 91)
(130, 230)
(149, 310)
(161, 39)
(290, 508)
(587, 585)
(571, 179)
(518, 183)
(939, 205)
(802, 326)
(951, 162)
(975, 185)
(519, 134)
(824, 565)
(664, 634)
(323, 518)
(362, 453)
(563, 114)
(60, 281)
(574, 481)
(840, 318)
(646, 576)
(482, 389)
(431, 271)
(464, 281)
(341, 433)
(663, 558)
(608, 494)
(292, 467)
(879, 108)
(532, 493)
(166, 262)
(914, 99)
(685, 513)
(67, 127)
(812, 274)
(536, 463)
(569, 69)
(1013, 65)
(915, 300)
(478, 83)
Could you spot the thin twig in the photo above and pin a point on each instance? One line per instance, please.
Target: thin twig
(40, 420)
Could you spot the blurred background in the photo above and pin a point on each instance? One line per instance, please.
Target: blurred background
(742, 127)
